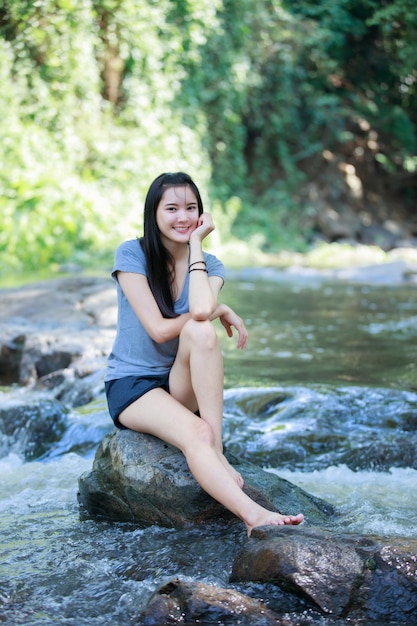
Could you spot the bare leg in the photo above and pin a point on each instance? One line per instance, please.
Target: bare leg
(196, 380)
(159, 414)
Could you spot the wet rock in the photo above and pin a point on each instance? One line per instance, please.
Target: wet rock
(382, 455)
(30, 427)
(54, 361)
(55, 326)
(139, 478)
(71, 388)
(343, 575)
(11, 350)
(179, 602)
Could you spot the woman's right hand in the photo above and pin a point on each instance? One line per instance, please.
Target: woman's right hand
(204, 227)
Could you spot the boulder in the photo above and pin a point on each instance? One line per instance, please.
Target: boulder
(139, 478)
(30, 427)
(11, 350)
(343, 575)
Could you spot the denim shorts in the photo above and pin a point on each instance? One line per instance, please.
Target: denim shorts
(124, 391)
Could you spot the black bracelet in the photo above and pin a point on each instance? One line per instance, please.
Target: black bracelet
(196, 263)
(198, 269)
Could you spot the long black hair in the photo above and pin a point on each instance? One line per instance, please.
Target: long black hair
(160, 263)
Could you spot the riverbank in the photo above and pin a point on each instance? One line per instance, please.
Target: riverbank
(325, 257)
(334, 261)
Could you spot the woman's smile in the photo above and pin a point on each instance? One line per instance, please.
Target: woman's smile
(182, 229)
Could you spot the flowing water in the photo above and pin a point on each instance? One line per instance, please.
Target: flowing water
(325, 395)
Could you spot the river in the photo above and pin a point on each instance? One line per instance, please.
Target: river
(325, 395)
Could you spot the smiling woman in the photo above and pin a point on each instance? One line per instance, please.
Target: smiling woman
(165, 372)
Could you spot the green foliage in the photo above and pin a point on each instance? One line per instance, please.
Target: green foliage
(74, 168)
(99, 96)
(372, 45)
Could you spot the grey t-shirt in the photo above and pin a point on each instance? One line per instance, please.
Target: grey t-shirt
(134, 353)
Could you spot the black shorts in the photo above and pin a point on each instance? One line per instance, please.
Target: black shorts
(122, 392)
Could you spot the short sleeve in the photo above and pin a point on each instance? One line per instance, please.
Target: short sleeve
(214, 266)
(129, 257)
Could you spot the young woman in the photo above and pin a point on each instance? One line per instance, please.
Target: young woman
(166, 365)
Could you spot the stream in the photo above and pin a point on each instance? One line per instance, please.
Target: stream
(325, 395)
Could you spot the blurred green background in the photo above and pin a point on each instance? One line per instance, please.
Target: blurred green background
(270, 105)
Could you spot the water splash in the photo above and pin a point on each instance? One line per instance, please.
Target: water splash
(380, 503)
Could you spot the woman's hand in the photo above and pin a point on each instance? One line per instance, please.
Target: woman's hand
(204, 227)
(229, 319)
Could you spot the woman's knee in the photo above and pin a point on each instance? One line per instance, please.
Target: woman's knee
(203, 434)
(200, 333)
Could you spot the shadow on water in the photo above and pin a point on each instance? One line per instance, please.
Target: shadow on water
(324, 395)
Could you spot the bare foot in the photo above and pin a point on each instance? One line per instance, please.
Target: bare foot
(276, 519)
(237, 477)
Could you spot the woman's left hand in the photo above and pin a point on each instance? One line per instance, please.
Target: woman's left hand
(230, 320)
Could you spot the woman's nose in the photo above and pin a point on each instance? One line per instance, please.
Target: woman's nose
(182, 215)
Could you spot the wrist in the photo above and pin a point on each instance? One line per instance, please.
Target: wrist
(195, 243)
(195, 252)
(219, 310)
(197, 266)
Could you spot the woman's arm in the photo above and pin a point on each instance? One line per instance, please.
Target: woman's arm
(141, 299)
(203, 291)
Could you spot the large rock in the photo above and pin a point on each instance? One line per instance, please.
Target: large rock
(139, 478)
(343, 575)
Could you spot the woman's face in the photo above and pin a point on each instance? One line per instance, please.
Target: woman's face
(177, 214)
